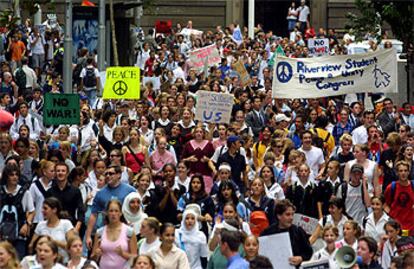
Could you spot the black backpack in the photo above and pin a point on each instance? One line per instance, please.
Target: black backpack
(89, 80)
(344, 191)
(12, 215)
(20, 78)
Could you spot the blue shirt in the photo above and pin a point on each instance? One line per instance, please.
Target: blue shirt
(237, 262)
(108, 193)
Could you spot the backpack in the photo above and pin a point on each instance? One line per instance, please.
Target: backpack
(20, 78)
(394, 187)
(12, 216)
(89, 80)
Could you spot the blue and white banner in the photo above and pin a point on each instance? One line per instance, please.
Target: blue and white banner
(237, 36)
(335, 75)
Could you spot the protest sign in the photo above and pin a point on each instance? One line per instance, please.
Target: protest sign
(335, 75)
(319, 264)
(306, 223)
(187, 32)
(279, 52)
(122, 83)
(198, 56)
(214, 107)
(318, 46)
(278, 249)
(61, 108)
(156, 82)
(237, 36)
(244, 75)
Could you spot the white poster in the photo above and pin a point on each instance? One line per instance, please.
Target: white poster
(318, 46)
(335, 75)
(198, 56)
(278, 249)
(306, 223)
(214, 107)
(156, 82)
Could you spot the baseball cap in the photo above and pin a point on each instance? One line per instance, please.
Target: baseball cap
(357, 168)
(233, 138)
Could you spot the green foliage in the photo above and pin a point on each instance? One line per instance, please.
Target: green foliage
(373, 13)
(369, 21)
(8, 19)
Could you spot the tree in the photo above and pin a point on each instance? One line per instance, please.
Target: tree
(374, 13)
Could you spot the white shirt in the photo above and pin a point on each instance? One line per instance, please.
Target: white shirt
(27, 200)
(339, 225)
(360, 135)
(38, 47)
(31, 77)
(57, 233)
(375, 230)
(33, 124)
(314, 158)
(323, 254)
(275, 192)
(303, 13)
(38, 199)
(147, 249)
(87, 135)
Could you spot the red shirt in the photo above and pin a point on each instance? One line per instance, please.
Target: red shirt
(402, 206)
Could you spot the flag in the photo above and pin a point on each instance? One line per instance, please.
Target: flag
(237, 36)
(279, 52)
(87, 3)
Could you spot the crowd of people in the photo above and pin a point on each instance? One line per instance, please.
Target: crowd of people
(141, 184)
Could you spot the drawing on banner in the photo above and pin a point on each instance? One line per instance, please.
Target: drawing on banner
(214, 107)
(335, 75)
(243, 74)
(278, 249)
(381, 77)
(318, 46)
(120, 87)
(308, 224)
(122, 83)
(284, 72)
(61, 109)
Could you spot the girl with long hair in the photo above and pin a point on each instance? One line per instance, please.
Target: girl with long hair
(115, 243)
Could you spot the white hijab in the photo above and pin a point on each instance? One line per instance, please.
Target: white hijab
(133, 219)
(188, 235)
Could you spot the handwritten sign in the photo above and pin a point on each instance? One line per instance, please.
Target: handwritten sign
(198, 56)
(278, 249)
(244, 75)
(214, 107)
(319, 46)
(61, 109)
(306, 223)
(122, 83)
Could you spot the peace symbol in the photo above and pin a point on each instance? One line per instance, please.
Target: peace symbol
(120, 87)
(284, 72)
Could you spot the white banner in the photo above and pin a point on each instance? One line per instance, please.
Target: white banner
(335, 75)
(319, 46)
(197, 57)
(214, 107)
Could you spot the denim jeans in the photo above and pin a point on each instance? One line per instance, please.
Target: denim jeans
(91, 94)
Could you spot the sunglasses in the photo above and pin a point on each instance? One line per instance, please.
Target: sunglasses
(110, 173)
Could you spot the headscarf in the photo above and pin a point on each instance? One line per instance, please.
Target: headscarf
(185, 235)
(133, 219)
